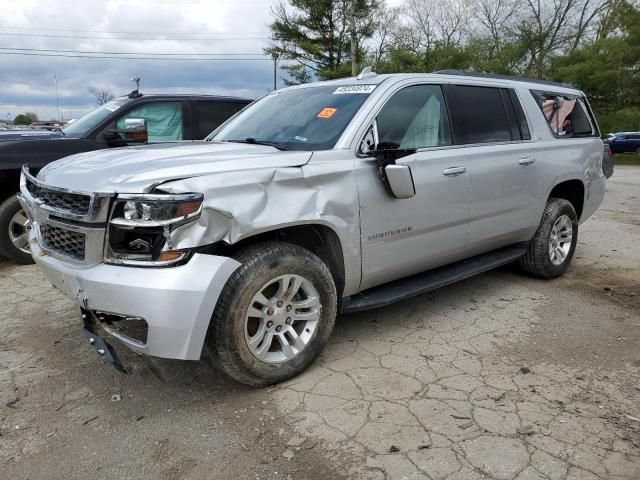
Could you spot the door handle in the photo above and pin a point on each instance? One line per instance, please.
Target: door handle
(454, 171)
(526, 161)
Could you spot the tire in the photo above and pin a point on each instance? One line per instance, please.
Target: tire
(540, 261)
(10, 231)
(267, 268)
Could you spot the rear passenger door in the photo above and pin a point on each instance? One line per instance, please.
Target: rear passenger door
(209, 115)
(501, 160)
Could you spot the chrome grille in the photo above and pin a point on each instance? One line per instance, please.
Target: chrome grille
(72, 202)
(63, 241)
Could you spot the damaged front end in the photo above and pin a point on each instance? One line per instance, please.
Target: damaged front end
(96, 260)
(140, 228)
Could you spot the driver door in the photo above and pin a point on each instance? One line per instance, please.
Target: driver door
(401, 237)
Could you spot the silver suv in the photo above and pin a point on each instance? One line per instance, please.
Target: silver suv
(315, 200)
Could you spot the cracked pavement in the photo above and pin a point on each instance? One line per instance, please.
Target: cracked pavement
(498, 377)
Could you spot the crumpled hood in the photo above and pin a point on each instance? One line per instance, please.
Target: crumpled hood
(139, 169)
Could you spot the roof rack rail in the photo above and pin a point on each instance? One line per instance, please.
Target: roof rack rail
(498, 76)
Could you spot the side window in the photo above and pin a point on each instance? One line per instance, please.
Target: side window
(164, 120)
(210, 115)
(415, 117)
(478, 115)
(568, 117)
(525, 134)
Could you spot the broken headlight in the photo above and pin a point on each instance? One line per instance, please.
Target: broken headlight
(139, 231)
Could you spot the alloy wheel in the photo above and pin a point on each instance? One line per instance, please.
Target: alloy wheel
(560, 239)
(282, 318)
(19, 227)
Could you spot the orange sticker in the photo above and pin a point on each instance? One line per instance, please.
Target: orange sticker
(327, 112)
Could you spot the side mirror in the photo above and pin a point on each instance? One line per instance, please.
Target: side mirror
(400, 181)
(135, 130)
(397, 179)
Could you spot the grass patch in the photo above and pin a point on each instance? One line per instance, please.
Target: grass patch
(626, 159)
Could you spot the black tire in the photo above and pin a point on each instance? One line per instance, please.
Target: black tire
(226, 336)
(8, 209)
(537, 261)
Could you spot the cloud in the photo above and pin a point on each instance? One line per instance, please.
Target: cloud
(148, 26)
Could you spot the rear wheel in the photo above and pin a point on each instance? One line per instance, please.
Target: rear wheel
(274, 315)
(552, 248)
(14, 232)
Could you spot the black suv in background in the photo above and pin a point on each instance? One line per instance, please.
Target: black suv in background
(624, 142)
(127, 120)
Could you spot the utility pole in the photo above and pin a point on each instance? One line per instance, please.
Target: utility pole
(275, 56)
(354, 49)
(55, 77)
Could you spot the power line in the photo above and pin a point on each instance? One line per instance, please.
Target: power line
(212, 59)
(3, 27)
(94, 37)
(87, 52)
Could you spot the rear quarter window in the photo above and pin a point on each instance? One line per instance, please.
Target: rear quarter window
(568, 116)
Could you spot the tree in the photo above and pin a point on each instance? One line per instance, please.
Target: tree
(315, 35)
(608, 70)
(22, 119)
(33, 116)
(103, 96)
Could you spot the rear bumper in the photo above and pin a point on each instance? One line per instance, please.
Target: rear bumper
(175, 302)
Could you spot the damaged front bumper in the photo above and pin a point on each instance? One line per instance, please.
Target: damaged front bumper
(174, 303)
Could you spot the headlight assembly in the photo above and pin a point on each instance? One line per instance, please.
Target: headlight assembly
(139, 230)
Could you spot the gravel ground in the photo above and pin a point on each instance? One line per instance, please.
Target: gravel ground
(500, 377)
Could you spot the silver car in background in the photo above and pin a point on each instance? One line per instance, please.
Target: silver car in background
(317, 199)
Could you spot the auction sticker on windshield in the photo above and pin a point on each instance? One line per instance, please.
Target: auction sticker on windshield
(327, 112)
(354, 89)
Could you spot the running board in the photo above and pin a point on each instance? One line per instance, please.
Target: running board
(424, 282)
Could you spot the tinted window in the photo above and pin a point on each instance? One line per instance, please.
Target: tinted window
(210, 115)
(415, 117)
(164, 120)
(522, 120)
(478, 115)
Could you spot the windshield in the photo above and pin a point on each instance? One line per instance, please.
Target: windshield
(310, 118)
(88, 122)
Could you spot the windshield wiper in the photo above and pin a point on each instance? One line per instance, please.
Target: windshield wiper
(253, 141)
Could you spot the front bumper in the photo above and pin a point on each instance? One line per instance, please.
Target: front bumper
(176, 302)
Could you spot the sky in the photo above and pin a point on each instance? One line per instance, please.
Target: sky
(37, 32)
(236, 28)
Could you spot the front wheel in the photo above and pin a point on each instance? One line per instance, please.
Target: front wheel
(274, 315)
(14, 232)
(551, 250)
